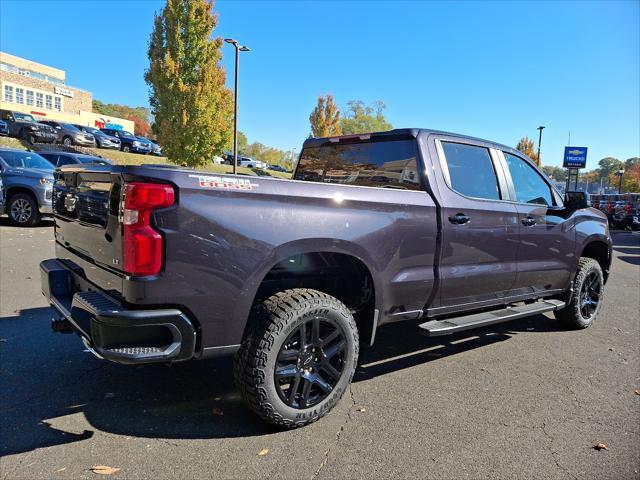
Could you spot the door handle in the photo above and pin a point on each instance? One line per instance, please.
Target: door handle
(529, 221)
(459, 219)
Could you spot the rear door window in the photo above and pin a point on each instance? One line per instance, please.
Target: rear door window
(386, 164)
(529, 185)
(471, 170)
(65, 160)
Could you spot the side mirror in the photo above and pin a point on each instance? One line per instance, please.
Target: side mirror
(58, 127)
(576, 200)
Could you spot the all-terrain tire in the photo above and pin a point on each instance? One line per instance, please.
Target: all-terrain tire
(275, 320)
(573, 315)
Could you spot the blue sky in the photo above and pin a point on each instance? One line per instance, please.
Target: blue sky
(493, 70)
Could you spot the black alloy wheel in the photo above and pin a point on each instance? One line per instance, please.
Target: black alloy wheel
(590, 295)
(310, 363)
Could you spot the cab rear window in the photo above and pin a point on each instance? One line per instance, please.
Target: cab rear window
(386, 164)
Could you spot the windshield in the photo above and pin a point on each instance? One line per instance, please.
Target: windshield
(126, 134)
(95, 131)
(68, 126)
(95, 160)
(24, 117)
(25, 160)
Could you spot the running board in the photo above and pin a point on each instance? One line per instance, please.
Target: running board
(436, 328)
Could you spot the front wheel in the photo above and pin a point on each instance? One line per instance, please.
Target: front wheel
(300, 358)
(126, 148)
(23, 210)
(586, 300)
(66, 142)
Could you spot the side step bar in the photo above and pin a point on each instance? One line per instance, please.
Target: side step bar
(435, 328)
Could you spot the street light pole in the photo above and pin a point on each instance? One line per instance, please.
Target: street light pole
(540, 128)
(235, 100)
(620, 174)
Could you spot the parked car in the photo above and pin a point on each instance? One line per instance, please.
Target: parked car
(217, 160)
(24, 126)
(246, 162)
(27, 181)
(154, 148)
(289, 275)
(58, 159)
(128, 141)
(4, 128)
(278, 168)
(102, 139)
(67, 134)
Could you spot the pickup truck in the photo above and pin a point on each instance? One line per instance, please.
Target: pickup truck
(158, 264)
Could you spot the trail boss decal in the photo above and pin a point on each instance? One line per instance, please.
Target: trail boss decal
(207, 181)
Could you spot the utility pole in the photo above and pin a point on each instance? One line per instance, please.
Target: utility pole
(540, 128)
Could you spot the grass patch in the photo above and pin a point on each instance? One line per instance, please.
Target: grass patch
(8, 142)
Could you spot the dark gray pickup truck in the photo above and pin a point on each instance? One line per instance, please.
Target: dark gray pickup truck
(159, 264)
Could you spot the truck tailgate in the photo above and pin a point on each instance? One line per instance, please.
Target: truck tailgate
(86, 204)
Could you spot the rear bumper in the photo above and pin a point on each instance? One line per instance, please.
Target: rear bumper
(111, 330)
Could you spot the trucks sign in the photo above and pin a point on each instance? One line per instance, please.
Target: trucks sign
(575, 157)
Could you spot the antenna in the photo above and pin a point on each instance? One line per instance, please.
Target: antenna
(569, 144)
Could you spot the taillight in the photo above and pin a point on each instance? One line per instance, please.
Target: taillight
(141, 244)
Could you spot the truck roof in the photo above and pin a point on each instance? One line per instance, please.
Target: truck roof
(397, 134)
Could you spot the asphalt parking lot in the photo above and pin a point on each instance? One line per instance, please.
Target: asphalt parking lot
(521, 400)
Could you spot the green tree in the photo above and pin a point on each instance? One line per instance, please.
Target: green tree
(325, 118)
(607, 166)
(362, 118)
(556, 173)
(631, 162)
(191, 106)
(526, 146)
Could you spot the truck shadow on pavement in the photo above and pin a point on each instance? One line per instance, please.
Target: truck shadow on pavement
(55, 393)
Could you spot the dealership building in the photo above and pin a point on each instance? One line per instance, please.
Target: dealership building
(41, 91)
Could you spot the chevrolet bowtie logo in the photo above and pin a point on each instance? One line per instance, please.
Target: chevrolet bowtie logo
(575, 152)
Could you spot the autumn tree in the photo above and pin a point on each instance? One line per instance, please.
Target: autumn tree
(325, 118)
(526, 146)
(362, 118)
(191, 106)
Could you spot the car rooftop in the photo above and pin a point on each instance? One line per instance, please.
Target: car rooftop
(401, 133)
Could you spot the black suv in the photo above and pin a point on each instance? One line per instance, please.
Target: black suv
(24, 126)
(68, 134)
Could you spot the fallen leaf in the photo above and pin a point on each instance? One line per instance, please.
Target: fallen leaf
(103, 470)
(361, 409)
(61, 469)
(217, 411)
(637, 392)
(601, 446)
(263, 452)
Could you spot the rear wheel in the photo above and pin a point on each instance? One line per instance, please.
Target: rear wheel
(23, 210)
(66, 141)
(298, 361)
(588, 291)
